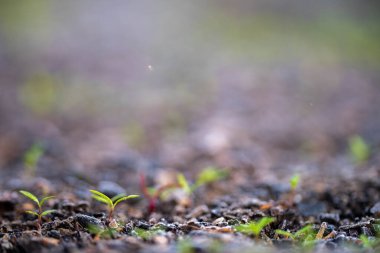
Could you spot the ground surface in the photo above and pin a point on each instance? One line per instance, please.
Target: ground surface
(259, 89)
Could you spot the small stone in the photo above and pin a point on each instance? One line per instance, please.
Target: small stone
(54, 234)
(7, 205)
(332, 218)
(219, 221)
(375, 210)
(198, 211)
(48, 242)
(85, 221)
(142, 225)
(311, 208)
(111, 189)
(113, 224)
(161, 240)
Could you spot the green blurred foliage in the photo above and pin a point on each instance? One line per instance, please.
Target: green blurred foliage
(39, 93)
(360, 151)
(266, 37)
(31, 158)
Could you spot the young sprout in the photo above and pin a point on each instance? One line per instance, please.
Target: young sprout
(206, 176)
(102, 233)
(153, 194)
(300, 235)
(31, 158)
(39, 203)
(294, 181)
(369, 243)
(111, 202)
(255, 228)
(307, 235)
(359, 149)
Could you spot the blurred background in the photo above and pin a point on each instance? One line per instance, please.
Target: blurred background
(255, 84)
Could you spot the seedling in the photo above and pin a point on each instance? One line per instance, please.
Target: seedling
(294, 181)
(369, 243)
(300, 235)
(153, 194)
(206, 176)
(102, 233)
(359, 149)
(147, 234)
(39, 213)
(306, 235)
(255, 228)
(111, 202)
(31, 158)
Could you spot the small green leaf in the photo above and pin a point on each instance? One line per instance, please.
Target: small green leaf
(32, 155)
(100, 199)
(183, 183)
(100, 195)
(284, 233)
(255, 227)
(125, 198)
(359, 149)
(294, 181)
(31, 196)
(31, 212)
(209, 175)
(118, 196)
(47, 212)
(94, 229)
(305, 232)
(45, 199)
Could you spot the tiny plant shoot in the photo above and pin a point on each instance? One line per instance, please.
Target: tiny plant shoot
(255, 228)
(31, 158)
(206, 176)
(294, 182)
(39, 203)
(359, 149)
(111, 202)
(153, 194)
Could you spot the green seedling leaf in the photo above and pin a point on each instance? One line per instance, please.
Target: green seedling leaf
(305, 232)
(294, 181)
(359, 149)
(101, 197)
(32, 212)
(255, 227)
(183, 183)
(125, 198)
(145, 234)
(33, 155)
(284, 233)
(45, 199)
(185, 246)
(209, 175)
(47, 212)
(103, 233)
(118, 196)
(31, 196)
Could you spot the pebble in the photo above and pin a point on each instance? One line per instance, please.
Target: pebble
(198, 211)
(332, 218)
(86, 221)
(311, 208)
(110, 188)
(219, 221)
(142, 225)
(375, 210)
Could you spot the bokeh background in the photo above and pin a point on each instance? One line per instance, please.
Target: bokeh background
(255, 84)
